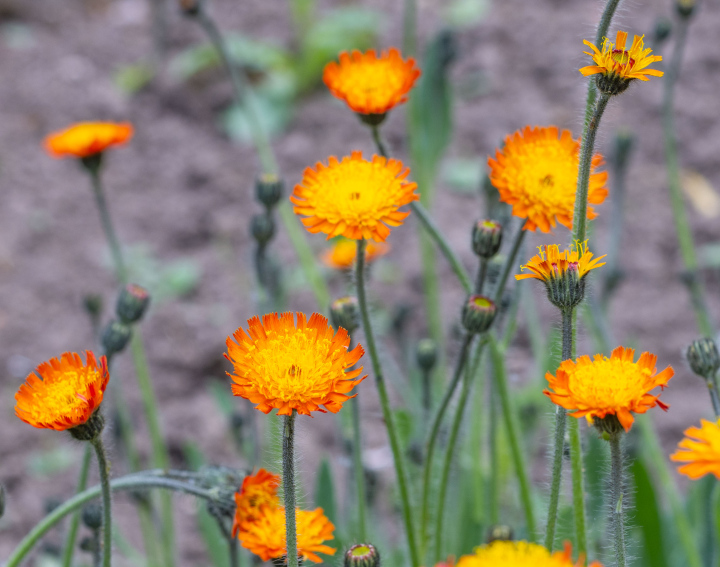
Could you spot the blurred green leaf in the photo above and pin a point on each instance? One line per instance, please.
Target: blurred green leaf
(164, 280)
(647, 516)
(131, 79)
(325, 491)
(404, 425)
(47, 463)
(220, 394)
(273, 116)
(464, 175)
(466, 13)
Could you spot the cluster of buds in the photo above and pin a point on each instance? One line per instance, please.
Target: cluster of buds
(131, 306)
(268, 192)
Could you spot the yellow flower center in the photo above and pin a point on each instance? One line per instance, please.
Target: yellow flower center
(609, 382)
(63, 395)
(514, 554)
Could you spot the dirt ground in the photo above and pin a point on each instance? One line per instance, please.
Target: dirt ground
(183, 190)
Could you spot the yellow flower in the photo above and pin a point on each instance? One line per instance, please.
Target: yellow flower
(86, 139)
(65, 395)
(536, 172)
(608, 386)
(354, 197)
(519, 554)
(342, 255)
(371, 84)
(257, 492)
(551, 263)
(700, 449)
(280, 365)
(614, 62)
(266, 536)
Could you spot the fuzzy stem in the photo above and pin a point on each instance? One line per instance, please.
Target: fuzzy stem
(107, 224)
(104, 469)
(712, 385)
(289, 489)
(481, 275)
(385, 404)
(69, 549)
(359, 469)
(616, 499)
(578, 484)
(494, 446)
(509, 264)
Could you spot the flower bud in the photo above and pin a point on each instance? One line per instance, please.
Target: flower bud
(89, 544)
(93, 304)
(685, 8)
(608, 426)
(499, 532)
(132, 303)
(362, 555)
(566, 289)
(115, 337)
(478, 314)
(703, 357)
(269, 189)
(189, 7)
(344, 312)
(262, 228)
(611, 83)
(92, 516)
(486, 238)
(426, 354)
(662, 31)
(373, 119)
(91, 429)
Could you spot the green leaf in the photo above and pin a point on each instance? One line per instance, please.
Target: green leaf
(465, 175)
(325, 491)
(466, 13)
(647, 516)
(47, 463)
(133, 78)
(404, 425)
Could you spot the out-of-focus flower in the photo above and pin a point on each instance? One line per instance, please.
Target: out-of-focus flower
(257, 492)
(700, 449)
(87, 139)
(343, 253)
(519, 554)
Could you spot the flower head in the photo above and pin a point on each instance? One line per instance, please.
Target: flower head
(278, 364)
(257, 492)
(265, 537)
(700, 449)
(354, 197)
(342, 255)
(536, 172)
(87, 139)
(65, 394)
(519, 554)
(370, 84)
(616, 67)
(604, 386)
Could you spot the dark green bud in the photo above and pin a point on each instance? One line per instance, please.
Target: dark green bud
(566, 289)
(372, 119)
(345, 313)
(115, 337)
(486, 238)
(478, 314)
(662, 31)
(89, 544)
(362, 555)
(426, 354)
(703, 357)
(92, 516)
(611, 84)
(499, 532)
(685, 8)
(262, 228)
(132, 303)
(93, 304)
(269, 189)
(189, 7)
(90, 430)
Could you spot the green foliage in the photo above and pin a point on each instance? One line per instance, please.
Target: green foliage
(131, 79)
(648, 517)
(48, 463)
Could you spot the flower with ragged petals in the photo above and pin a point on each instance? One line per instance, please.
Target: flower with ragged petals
(64, 393)
(354, 198)
(536, 172)
(502, 553)
(87, 139)
(343, 253)
(266, 538)
(615, 386)
(370, 84)
(278, 364)
(257, 492)
(700, 449)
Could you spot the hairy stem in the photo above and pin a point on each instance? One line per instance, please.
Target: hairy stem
(359, 469)
(104, 469)
(289, 488)
(69, 548)
(509, 265)
(616, 499)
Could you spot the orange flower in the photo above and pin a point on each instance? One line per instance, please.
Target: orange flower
(86, 139)
(536, 172)
(342, 255)
(614, 61)
(354, 197)
(66, 394)
(502, 553)
(266, 536)
(257, 492)
(371, 84)
(700, 449)
(551, 263)
(608, 386)
(281, 365)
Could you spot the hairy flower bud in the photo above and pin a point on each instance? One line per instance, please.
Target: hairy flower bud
(92, 516)
(344, 312)
(132, 303)
(115, 337)
(478, 314)
(426, 354)
(499, 532)
(362, 555)
(685, 8)
(486, 238)
(269, 189)
(189, 7)
(262, 228)
(702, 354)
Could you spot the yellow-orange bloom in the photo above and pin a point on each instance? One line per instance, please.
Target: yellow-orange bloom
(371, 84)
(536, 172)
(343, 253)
(86, 139)
(519, 554)
(354, 197)
(608, 386)
(65, 394)
(700, 449)
(266, 536)
(614, 61)
(257, 492)
(551, 263)
(278, 364)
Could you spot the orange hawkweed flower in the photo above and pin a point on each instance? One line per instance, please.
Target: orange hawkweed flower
(343, 253)
(551, 263)
(354, 197)
(370, 84)
(266, 536)
(65, 394)
(86, 139)
(257, 492)
(700, 449)
(502, 553)
(536, 172)
(278, 364)
(612, 60)
(608, 386)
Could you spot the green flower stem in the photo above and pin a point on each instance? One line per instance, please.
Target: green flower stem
(104, 468)
(682, 226)
(511, 424)
(289, 488)
(509, 266)
(494, 483)
(578, 484)
(233, 551)
(69, 548)
(481, 275)
(385, 403)
(713, 388)
(409, 41)
(616, 500)
(359, 470)
(559, 445)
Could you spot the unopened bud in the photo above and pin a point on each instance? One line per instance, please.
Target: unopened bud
(426, 354)
(685, 8)
(478, 314)
(93, 304)
(115, 337)
(608, 426)
(91, 429)
(486, 238)
(89, 544)
(345, 313)
(662, 31)
(372, 119)
(362, 555)
(703, 357)
(499, 532)
(132, 303)
(262, 228)
(566, 289)
(92, 516)
(189, 7)
(269, 189)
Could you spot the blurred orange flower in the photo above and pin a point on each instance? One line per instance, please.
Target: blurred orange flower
(608, 386)
(278, 364)
(343, 253)
(65, 395)
(700, 449)
(614, 60)
(354, 197)
(502, 553)
(551, 263)
(370, 84)
(86, 139)
(536, 172)
(257, 492)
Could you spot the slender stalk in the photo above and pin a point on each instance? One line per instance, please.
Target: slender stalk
(578, 484)
(69, 548)
(104, 468)
(233, 551)
(385, 404)
(289, 489)
(493, 430)
(616, 499)
(409, 28)
(359, 470)
(107, 224)
(511, 422)
(713, 389)
(509, 265)
(481, 275)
